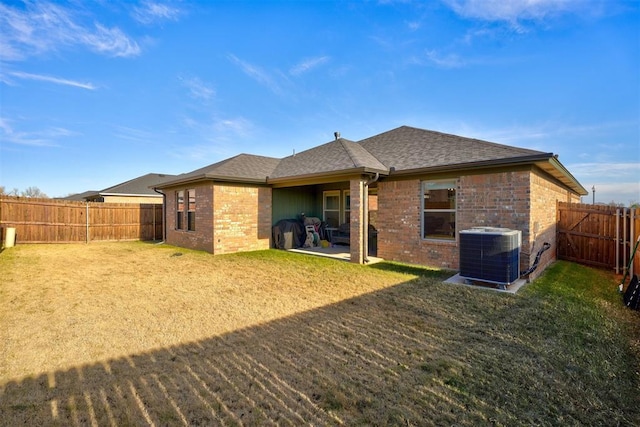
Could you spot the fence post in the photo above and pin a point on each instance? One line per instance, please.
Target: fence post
(618, 241)
(87, 221)
(154, 221)
(632, 235)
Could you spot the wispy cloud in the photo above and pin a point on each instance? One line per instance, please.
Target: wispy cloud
(134, 135)
(308, 65)
(197, 88)
(516, 11)
(51, 79)
(257, 74)
(41, 138)
(150, 12)
(450, 60)
(41, 27)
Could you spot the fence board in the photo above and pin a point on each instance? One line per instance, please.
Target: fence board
(60, 221)
(598, 235)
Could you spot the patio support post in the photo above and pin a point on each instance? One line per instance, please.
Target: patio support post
(358, 188)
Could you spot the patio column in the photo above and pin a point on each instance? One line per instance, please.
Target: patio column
(358, 248)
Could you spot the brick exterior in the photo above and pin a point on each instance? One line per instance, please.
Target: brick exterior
(241, 218)
(357, 247)
(521, 199)
(202, 237)
(399, 228)
(544, 197)
(228, 219)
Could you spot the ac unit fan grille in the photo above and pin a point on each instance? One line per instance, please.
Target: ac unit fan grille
(490, 255)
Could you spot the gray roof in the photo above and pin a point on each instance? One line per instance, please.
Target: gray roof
(79, 197)
(403, 150)
(407, 148)
(332, 157)
(141, 186)
(243, 167)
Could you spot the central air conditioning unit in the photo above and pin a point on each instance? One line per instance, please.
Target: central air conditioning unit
(490, 254)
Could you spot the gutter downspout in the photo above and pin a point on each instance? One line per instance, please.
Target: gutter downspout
(365, 222)
(164, 219)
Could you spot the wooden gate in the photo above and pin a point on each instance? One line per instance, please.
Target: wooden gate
(598, 235)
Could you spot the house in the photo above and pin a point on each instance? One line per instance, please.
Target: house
(137, 190)
(418, 188)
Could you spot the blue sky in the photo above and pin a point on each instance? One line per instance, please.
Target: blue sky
(96, 93)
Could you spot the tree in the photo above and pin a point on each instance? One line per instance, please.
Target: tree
(33, 192)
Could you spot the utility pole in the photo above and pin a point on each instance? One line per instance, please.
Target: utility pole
(593, 191)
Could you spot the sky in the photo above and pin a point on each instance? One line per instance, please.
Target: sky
(95, 93)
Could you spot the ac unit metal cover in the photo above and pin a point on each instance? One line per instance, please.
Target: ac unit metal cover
(490, 254)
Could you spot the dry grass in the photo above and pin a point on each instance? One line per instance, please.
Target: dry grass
(139, 334)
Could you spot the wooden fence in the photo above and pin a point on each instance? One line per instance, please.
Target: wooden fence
(598, 235)
(60, 221)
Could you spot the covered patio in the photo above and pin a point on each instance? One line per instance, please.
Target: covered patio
(341, 252)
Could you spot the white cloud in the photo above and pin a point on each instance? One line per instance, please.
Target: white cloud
(450, 60)
(612, 171)
(111, 41)
(307, 65)
(197, 88)
(51, 79)
(41, 27)
(257, 74)
(150, 12)
(42, 138)
(516, 11)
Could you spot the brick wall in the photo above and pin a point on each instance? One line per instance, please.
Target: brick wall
(522, 200)
(202, 237)
(497, 200)
(241, 218)
(544, 197)
(399, 228)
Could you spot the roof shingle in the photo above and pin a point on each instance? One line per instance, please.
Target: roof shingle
(338, 155)
(408, 148)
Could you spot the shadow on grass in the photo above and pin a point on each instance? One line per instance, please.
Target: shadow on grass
(417, 353)
(414, 270)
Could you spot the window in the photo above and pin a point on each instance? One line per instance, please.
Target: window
(439, 210)
(179, 209)
(347, 206)
(331, 208)
(191, 210)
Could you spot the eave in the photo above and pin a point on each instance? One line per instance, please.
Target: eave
(548, 162)
(209, 178)
(324, 177)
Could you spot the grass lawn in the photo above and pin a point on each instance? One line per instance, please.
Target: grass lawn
(143, 334)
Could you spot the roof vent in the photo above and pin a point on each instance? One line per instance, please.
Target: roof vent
(337, 135)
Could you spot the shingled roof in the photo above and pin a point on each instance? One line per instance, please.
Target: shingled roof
(403, 150)
(141, 186)
(333, 157)
(240, 168)
(407, 149)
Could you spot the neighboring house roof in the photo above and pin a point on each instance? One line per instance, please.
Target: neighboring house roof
(404, 150)
(141, 186)
(80, 197)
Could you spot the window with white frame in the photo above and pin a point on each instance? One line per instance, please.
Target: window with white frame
(439, 209)
(331, 208)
